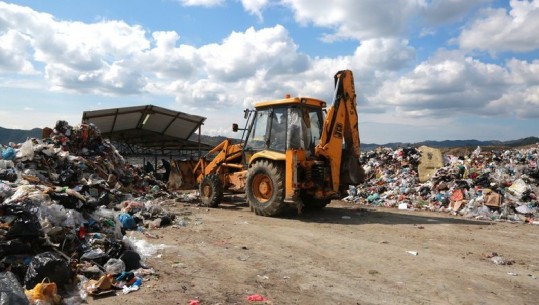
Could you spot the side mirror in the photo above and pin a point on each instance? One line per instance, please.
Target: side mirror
(235, 127)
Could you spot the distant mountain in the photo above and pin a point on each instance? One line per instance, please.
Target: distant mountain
(456, 143)
(18, 135)
(210, 140)
(214, 140)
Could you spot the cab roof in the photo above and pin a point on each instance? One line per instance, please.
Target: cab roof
(291, 101)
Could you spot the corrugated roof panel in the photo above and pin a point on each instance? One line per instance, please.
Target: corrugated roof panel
(181, 129)
(126, 121)
(150, 126)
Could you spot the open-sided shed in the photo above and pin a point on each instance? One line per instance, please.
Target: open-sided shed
(148, 130)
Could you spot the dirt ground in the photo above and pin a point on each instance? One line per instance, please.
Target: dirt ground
(343, 254)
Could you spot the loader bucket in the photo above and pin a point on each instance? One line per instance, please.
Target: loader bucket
(352, 171)
(181, 176)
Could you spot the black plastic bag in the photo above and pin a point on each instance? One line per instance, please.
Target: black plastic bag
(22, 222)
(66, 200)
(48, 265)
(8, 174)
(11, 291)
(132, 260)
(69, 177)
(14, 247)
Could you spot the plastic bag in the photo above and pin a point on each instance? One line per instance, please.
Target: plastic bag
(24, 224)
(114, 266)
(11, 291)
(518, 188)
(14, 247)
(8, 154)
(54, 213)
(65, 199)
(44, 293)
(26, 151)
(97, 255)
(8, 174)
(5, 191)
(47, 265)
(73, 219)
(128, 223)
(6, 164)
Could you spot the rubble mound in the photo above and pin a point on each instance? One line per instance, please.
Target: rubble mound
(500, 185)
(66, 202)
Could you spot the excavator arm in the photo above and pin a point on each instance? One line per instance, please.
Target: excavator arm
(224, 154)
(341, 125)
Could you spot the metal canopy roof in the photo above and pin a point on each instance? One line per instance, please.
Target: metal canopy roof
(149, 127)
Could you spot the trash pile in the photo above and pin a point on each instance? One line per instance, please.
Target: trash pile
(494, 185)
(66, 202)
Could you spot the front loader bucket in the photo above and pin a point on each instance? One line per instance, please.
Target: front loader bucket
(351, 170)
(181, 175)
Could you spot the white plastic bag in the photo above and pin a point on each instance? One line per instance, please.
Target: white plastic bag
(26, 152)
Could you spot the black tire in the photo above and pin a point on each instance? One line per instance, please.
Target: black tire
(312, 203)
(265, 188)
(211, 191)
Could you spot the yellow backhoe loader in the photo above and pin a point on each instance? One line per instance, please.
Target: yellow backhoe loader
(292, 154)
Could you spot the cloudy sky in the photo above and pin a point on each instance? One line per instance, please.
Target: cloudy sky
(424, 69)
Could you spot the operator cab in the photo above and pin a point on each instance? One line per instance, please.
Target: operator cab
(291, 123)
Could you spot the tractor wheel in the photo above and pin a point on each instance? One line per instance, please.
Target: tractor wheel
(312, 203)
(265, 188)
(211, 191)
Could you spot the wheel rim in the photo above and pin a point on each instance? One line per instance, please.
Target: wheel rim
(206, 191)
(262, 187)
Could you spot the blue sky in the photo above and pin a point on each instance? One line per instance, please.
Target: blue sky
(424, 69)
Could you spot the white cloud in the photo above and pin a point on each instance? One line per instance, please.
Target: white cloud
(76, 56)
(384, 54)
(356, 19)
(521, 99)
(254, 6)
(167, 60)
(448, 84)
(242, 54)
(523, 72)
(497, 30)
(13, 53)
(443, 11)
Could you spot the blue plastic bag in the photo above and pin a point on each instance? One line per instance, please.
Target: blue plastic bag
(127, 221)
(8, 153)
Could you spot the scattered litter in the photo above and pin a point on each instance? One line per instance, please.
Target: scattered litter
(499, 260)
(413, 252)
(256, 298)
(497, 185)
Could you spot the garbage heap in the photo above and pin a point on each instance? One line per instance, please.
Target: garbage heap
(493, 185)
(66, 202)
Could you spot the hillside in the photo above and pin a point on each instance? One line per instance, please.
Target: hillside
(472, 144)
(19, 136)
